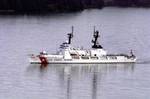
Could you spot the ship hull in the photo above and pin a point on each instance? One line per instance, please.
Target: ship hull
(90, 61)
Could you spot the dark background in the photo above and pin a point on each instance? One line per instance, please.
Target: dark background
(27, 6)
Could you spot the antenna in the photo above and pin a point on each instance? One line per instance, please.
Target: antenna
(94, 29)
(72, 29)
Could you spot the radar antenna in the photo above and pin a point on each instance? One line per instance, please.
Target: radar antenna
(95, 40)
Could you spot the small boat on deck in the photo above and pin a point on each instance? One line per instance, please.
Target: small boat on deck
(71, 55)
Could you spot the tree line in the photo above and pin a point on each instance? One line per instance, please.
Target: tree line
(66, 5)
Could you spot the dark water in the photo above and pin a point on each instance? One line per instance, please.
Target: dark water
(121, 31)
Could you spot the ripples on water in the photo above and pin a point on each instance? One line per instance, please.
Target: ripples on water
(121, 31)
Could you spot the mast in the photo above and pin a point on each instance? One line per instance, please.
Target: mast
(95, 40)
(70, 35)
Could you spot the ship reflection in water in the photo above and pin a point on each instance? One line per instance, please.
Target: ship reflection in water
(81, 81)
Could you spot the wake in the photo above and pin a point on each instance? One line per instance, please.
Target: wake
(143, 61)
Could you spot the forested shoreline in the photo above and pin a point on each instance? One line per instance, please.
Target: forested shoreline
(26, 6)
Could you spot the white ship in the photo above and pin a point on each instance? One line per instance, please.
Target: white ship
(71, 55)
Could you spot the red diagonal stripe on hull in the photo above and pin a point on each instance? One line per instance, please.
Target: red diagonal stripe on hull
(43, 60)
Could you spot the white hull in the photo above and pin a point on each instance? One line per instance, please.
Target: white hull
(81, 61)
